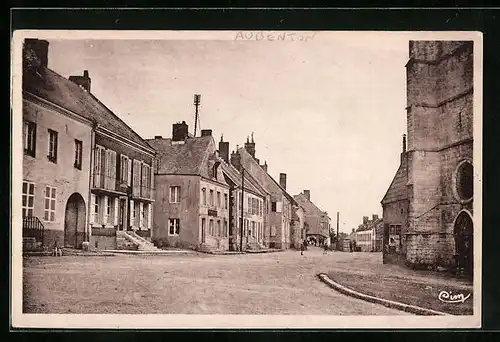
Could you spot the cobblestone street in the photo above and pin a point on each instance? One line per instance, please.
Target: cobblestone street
(273, 283)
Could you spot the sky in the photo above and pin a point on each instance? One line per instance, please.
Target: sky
(329, 112)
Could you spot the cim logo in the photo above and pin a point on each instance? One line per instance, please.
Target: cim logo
(449, 297)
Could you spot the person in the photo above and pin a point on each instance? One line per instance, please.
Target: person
(350, 246)
(325, 248)
(302, 247)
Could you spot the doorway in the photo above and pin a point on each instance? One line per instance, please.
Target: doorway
(74, 221)
(122, 214)
(203, 230)
(463, 234)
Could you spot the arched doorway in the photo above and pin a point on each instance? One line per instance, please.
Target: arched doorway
(463, 233)
(74, 221)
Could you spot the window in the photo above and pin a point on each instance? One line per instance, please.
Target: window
(226, 233)
(204, 196)
(211, 227)
(273, 207)
(219, 230)
(28, 198)
(464, 181)
(78, 154)
(52, 146)
(50, 204)
(225, 201)
(29, 138)
(218, 199)
(211, 198)
(249, 208)
(124, 165)
(174, 226)
(175, 194)
(273, 230)
(260, 208)
(95, 208)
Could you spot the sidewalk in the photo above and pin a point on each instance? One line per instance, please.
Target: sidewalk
(367, 275)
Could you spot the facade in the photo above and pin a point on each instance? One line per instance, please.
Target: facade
(298, 232)
(56, 158)
(429, 204)
(278, 212)
(192, 196)
(255, 199)
(317, 221)
(106, 184)
(369, 235)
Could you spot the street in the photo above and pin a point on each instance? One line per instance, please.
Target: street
(272, 283)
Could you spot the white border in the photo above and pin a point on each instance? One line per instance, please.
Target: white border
(20, 320)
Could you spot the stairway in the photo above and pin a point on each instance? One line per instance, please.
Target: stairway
(142, 244)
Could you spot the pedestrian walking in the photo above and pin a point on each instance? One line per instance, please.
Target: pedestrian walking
(325, 248)
(350, 246)
(302, 247)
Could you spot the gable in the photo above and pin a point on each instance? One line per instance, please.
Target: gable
(397, 189)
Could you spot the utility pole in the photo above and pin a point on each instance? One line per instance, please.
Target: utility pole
(197, 98)
(241, 219)
(337, 230)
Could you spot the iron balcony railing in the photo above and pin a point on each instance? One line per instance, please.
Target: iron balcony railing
(33, 228)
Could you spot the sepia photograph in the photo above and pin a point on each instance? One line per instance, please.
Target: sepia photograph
(246, 179)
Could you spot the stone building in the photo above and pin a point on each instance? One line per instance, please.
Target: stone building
(56, 158)
(278, 212)
(255, 199)
(429, 204)
(316, 220)
(95, 177)
(369, 235)
(192, 195)
(298, 231)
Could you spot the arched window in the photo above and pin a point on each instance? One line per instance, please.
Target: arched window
(463, 181)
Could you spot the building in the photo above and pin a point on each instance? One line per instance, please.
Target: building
(369, 235)
(429, 204)
(192, 195)
(298, 231)
(57, 144)
(255, 199)
(106, 185)
(316, 220)
(278, 212)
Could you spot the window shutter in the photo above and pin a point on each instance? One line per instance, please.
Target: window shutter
(115, 212)
(141, 214)
(105, 210)
(129, 172)
(152, 182)
(92, 217)
(279, 207)
(112, 174)
(150, 215)
(132, 217)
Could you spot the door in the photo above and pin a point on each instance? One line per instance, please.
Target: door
(122, 214)
(203, 230)
(463, 233)
(74, 221)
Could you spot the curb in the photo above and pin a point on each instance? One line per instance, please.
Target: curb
(388, 303)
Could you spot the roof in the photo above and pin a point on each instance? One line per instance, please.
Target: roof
(242, 151)
(397, 189)
(58, 90)
(308, 205)
(187, 158)
(235, 176)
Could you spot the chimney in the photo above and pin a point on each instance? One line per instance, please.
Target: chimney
(374, 217)
(365, 219)
(224, 149)
(206, 132)
(82, 81)
(307, 193)
(40, 48)
(250, 147)
(404, 148)
(236, 160)
(179, 131)
(158, 137)
(283, 180)
(264, 166)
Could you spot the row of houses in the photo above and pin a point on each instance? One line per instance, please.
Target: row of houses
(368, 237)
(88, 177)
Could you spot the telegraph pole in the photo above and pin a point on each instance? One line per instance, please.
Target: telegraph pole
(337, 230)
(241, 219)
(197, 98)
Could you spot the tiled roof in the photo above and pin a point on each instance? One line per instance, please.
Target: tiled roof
(235, 177)
(397, 189)
(190, 158)
(58, 90)
(308, 205)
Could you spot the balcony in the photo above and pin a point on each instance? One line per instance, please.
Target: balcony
(143, 193)
(106, 183)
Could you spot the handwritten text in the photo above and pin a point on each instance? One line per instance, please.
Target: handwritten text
(274, 36)
(448, 297)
